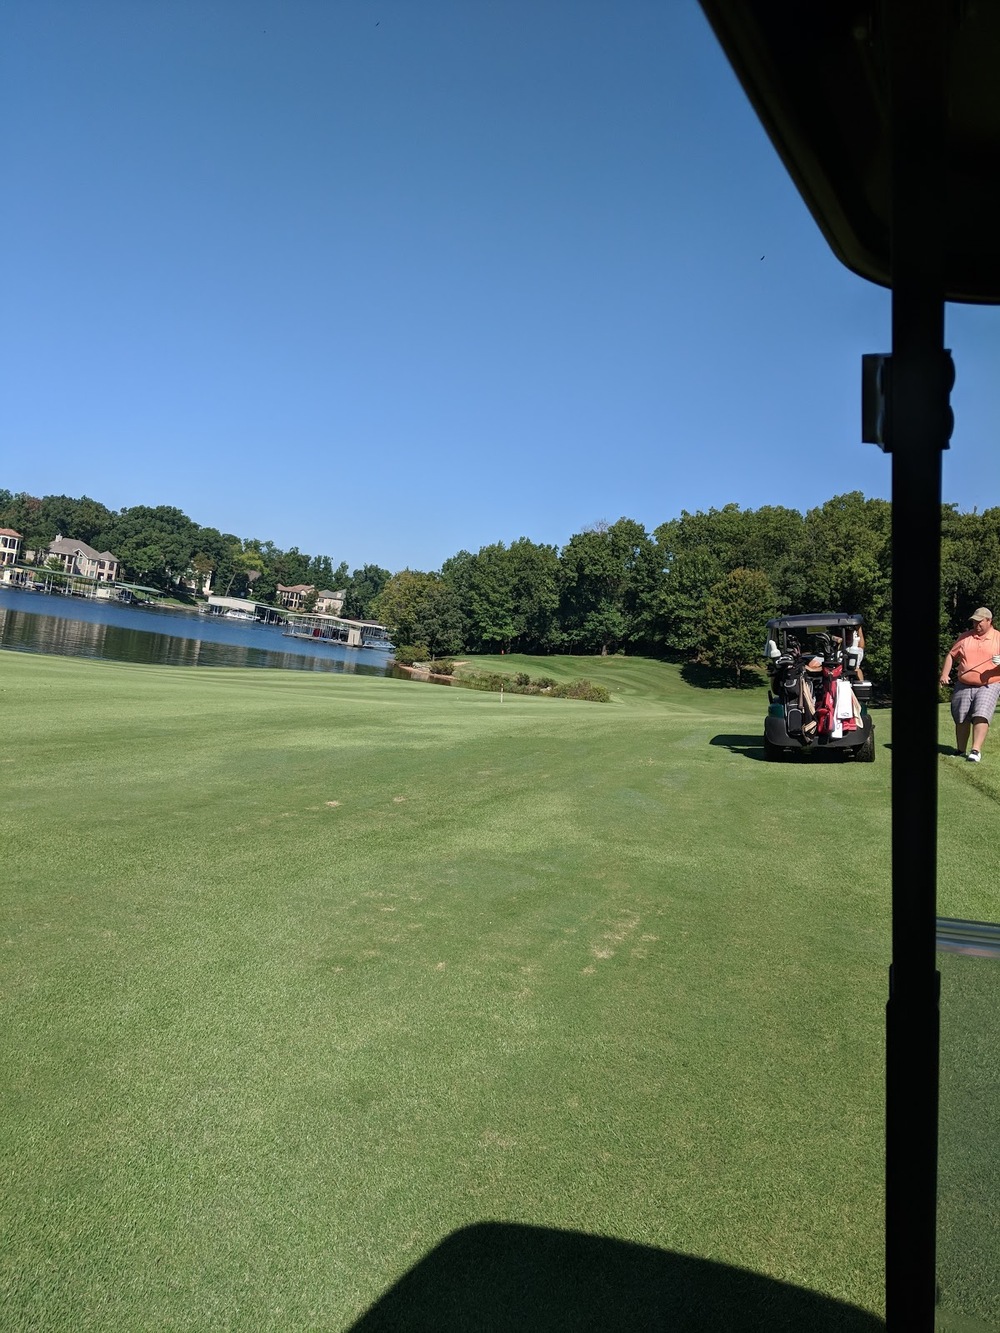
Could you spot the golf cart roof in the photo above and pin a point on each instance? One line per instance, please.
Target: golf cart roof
(817, 76)
(821, 620)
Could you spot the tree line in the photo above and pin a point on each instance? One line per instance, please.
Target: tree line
(699, 587)
(162, 548)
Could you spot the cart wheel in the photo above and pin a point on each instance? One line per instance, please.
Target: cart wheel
(773, 753)
(865, 754)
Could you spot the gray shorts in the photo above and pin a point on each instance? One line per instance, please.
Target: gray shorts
(969, 701)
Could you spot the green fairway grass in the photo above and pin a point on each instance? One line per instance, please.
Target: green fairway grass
(303, 973)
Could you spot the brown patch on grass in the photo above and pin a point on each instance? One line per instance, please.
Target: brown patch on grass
(617, 934)
(397, 800)
(440, 967)
(332, 804)
(589, 971)
(491, 1139)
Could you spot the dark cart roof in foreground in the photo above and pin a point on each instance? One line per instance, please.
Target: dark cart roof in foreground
(821, 620)
(817, 75)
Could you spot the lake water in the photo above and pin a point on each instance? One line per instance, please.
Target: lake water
(35, 622)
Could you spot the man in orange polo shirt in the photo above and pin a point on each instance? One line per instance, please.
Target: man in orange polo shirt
(976, 654)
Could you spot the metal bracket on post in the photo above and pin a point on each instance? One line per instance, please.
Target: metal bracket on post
(876, 399)
(876, 369)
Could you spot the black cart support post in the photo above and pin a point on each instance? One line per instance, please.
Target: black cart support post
(918, 404)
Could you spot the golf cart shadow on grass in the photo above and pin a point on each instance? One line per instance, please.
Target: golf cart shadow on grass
(499, 1277)
(752, 747)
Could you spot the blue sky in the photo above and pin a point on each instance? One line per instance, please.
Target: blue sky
(389, 279)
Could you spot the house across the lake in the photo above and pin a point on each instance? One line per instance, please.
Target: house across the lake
(77, 557)
(293, 597)
(10, 546)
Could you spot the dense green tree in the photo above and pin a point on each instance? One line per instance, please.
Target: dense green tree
(736, 612)
(850, 564)
(772, 538)
(483, 587)
(319, 572)
(154, 545)
(22, 513)
(534, 574)
(323, 577)
(970, 568)
(363, 587)
(290, 567)
(680, 606)
(509, 595)
(602, 571)
(493, 607)
(215, 558)
(253, 576)
(82, 519)
(421, 608)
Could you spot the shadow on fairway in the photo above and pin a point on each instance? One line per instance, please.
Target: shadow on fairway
(498, 1277)
(751, 747)
(711, 678)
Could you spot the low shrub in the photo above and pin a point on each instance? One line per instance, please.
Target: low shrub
(491, 681)
(582, 689)
(408, 653)
(442, 666)
(521, 684)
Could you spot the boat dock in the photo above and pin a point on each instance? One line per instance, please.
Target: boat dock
(241, 608)
(324, 628)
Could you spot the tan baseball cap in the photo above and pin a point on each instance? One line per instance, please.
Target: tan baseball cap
(981, 613)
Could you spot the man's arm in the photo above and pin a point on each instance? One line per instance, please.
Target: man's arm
(991, 672)
(946, 669)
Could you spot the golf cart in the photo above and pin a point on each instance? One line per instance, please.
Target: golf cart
(818, 697)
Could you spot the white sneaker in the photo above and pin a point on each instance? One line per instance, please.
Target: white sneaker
(974, 756)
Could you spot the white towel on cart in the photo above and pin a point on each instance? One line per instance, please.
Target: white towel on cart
(844, 707)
